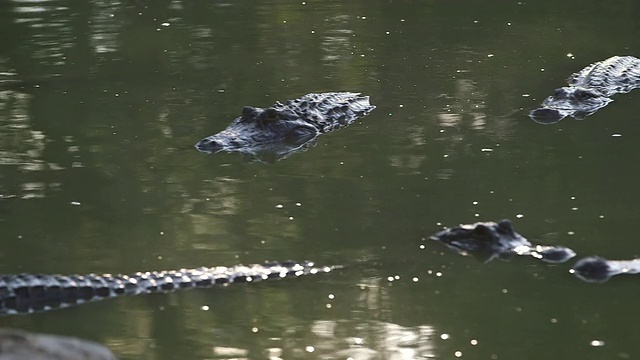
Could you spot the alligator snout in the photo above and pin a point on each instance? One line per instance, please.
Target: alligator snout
(209, 145)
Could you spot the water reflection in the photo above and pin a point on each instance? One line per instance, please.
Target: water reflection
(336, 44)
(155, 76)
(104, 26)
(21, 147)
(466, 112)
(49, 31)
(459, 116)
(346, 339)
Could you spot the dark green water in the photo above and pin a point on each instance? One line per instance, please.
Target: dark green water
(100, 174)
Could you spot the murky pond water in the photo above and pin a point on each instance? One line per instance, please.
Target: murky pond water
(102, 101)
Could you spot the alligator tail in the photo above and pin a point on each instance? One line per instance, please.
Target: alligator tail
(29, 293)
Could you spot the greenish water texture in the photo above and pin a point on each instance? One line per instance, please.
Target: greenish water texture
(99, 174)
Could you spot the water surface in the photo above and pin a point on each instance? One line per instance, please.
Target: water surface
(103, 102)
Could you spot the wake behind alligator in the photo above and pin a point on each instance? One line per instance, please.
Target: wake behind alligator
(28, 293)
(489, 240)
(590, 89)
(277, 132)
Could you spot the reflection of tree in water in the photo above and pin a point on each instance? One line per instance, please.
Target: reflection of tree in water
(466, 110)
(457, 120)
(369, 331)
(466, 101)
(344, 339)
(290, 321)
(22, 150)
(336, 43)
(47, 30)
(104, 26)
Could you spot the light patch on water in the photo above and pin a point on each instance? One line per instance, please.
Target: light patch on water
(596, 343)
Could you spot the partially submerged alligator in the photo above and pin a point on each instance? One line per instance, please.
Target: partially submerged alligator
(598, 270)
(27, 293)
(489, 240)
(276, 132)
(590, 89)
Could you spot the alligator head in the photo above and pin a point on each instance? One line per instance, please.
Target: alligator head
(577, 102)
(484, 240)
(488, 240)
(257, 128)
(276, 132)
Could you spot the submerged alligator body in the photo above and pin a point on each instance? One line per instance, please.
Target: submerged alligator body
(274, 133)
(28, 293)
(590, 89)
(489, 240)
(598, 270)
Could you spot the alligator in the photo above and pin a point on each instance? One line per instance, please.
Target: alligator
(489, 240)
(277, 132)
(590, 89)
(29, 293)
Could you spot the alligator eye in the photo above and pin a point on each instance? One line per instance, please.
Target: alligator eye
(271, 114)
(504, 226)
(482, 231)
(247, 110)
(584, 95)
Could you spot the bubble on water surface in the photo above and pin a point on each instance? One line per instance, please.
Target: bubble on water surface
(596, 343)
